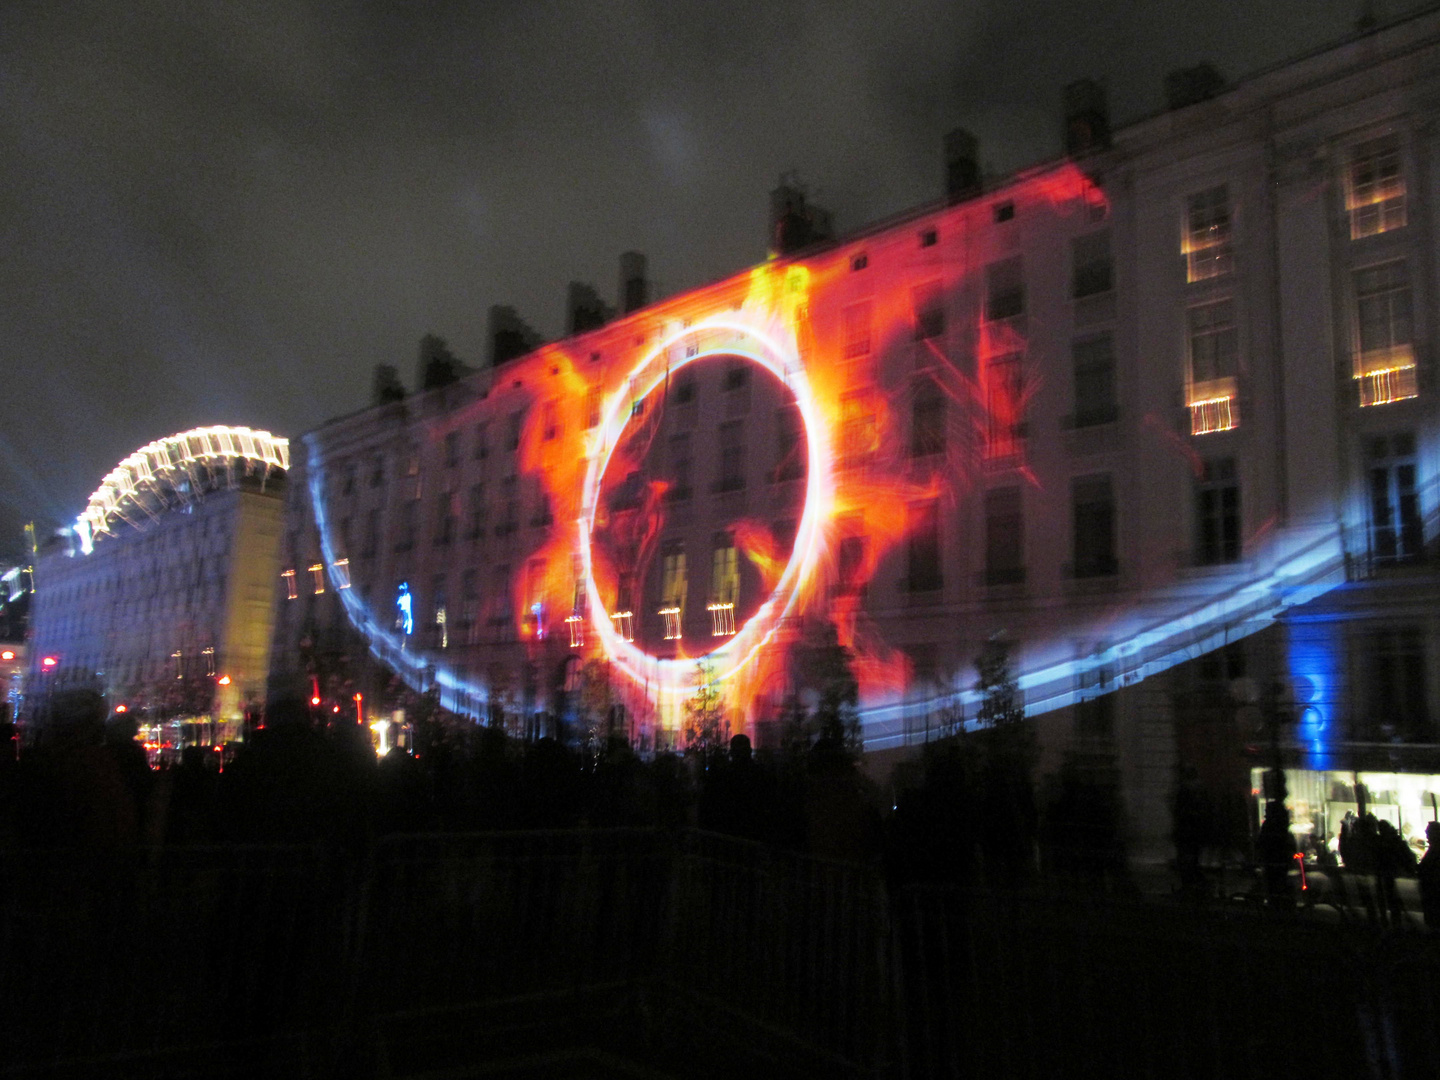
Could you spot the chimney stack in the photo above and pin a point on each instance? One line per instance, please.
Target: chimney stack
(510, 336)
(584, 310)
(634, 289)
(1192, 85)
(795, 223)
(962, 166)
(1087, 118)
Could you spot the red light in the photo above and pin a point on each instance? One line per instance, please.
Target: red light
(335, 708)
(314, 701)
(122, 708)
(49, 661)
(224, 680)
(8, 654)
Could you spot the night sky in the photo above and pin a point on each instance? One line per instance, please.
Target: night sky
(229, 213)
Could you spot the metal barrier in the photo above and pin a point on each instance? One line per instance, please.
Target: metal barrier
(678, 953)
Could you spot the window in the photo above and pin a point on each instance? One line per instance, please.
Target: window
(377, 470)
(1396, 532)
(857, 429)
(291, 592)
(475, 512)
(624, 614)
(1004, 212)
(1093, 268)
(790, 463)
(439, 617)
(1004, 537)
(501, 612)
(1217, 513)
(1005, 290)
(372, 533)
(1207, 249)
(592, 407)
(929, 238)
(469, 601)
(482, 441)
(1214, 351)
(1094, 361)
(850, 569)
(550, 427)
(1385, 360)
(340, 574)
(673, 587)
(724, 586)
(407, 526)
(732, 456)
(679, 489)
(737, 377)
(512, 431)
(928, 305)
(1393, 662)
(444, 518)
(859, 262)
(857, 330)
(1005, 405)
(347, 486)
(684, 388)
(1374, 188)
(543, 516)
(1093, 506)
(535, 571)
(927, 420)
(317, 578)
(737, 390)
(510, 493)
(452, 449)
(924, 551)
(575, 621)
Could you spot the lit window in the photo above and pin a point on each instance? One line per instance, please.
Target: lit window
(672, 593)
(1207, 247)
(575, 621)
(624, 614)
(1211, 390)
(291, 592)
(340, 574)
(317, 577)
(1374, 188)
(724, 587)
(1385, 356)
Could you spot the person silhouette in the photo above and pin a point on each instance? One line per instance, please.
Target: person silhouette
(1430, 878)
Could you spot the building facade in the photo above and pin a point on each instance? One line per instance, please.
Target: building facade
(163, 596)
(1162, 413)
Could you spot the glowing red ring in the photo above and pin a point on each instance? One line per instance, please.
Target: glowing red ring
(655, 366)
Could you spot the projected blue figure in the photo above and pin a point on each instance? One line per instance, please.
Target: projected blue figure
(405, 605)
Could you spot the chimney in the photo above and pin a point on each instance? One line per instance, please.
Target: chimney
(794, 223)
(437, 365)
(962, 166)
(386, 388)
(1192, 85)
(634, 289)
(510, 336)
(584, 310)
(1087, 118)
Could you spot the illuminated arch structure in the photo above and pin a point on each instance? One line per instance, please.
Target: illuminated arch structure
(170, 472)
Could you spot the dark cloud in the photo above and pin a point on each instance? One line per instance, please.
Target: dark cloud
(229, 213)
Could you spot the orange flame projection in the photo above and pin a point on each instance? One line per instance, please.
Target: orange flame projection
(591, 427)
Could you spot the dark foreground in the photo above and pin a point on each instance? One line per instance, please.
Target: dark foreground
(652, 953)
